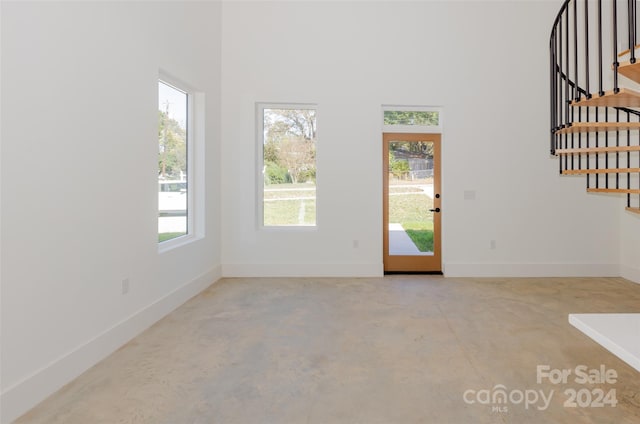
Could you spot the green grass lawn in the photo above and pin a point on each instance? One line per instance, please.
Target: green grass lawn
(168, 236)
(289, 204)
(290, 212)
(421, 233)
(410, 208)
(275, 191)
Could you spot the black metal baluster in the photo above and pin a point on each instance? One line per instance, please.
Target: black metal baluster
(629, 166)
(596, 155)
(567, 136)
(631, 4)
(587, 157)
(575, 49)
(586, 48)
(635, 24)
(572, 136)
(606, 144)
(561, 88)
(579, 136)
(628, 156)
(600, 90)
(552, 95)
(566, 74)
(617, 153)
(616, 88)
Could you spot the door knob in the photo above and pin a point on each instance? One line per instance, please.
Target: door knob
(435, 210)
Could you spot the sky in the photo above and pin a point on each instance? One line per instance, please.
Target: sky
(177, 102)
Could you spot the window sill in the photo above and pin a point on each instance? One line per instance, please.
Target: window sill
(177, 242)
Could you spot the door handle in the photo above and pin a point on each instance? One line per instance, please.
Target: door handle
(435, 210)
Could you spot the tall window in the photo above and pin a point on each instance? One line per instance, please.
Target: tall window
(173, 160)
(287, 165)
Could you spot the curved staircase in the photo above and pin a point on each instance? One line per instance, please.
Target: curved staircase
(595, 95)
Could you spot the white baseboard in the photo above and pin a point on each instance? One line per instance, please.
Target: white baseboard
(450, 270)
(19, 398)
(630, 273)
(530, 270)
(303, 270)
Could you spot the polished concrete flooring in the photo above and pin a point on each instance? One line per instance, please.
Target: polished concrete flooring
(399, 349)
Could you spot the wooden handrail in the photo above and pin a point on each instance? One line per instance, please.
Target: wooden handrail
(613, 190)
(634, 210)
(600, 171)
(610, 149)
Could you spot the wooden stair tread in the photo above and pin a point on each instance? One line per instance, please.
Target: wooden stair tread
(613, 190)
(609, 149)
(634, 210)
(583, 127)
(600, 171)
(627, 51)
(624, 98)
(630, 70)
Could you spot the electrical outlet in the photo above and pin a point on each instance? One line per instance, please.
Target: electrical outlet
(125, 286)
(492, 244)
(356, 244)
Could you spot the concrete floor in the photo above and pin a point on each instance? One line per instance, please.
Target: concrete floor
(399, 349)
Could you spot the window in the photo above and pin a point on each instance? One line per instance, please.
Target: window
(411, 119)
(287, 165)
(174, 194)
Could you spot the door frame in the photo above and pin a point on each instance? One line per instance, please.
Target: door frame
(402, 263)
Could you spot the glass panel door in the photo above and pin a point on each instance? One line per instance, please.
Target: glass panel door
(412, 202)
(410, 198)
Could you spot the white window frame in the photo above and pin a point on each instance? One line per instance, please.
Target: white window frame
(424, 129)
(195, 162)
(260, 107)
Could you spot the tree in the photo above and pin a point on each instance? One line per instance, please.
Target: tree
(414, 148)
(271, 151)
(172, 155)
(284, 123)
(289, 144)
(399, 168)
(411, 117)
(298, 157)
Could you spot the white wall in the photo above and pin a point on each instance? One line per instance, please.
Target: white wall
(485, 63)
(630, 246)
(79, 181)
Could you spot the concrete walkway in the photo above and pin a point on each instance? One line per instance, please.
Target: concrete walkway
(401, 244)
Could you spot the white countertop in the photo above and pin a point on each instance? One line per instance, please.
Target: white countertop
(618, 333)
